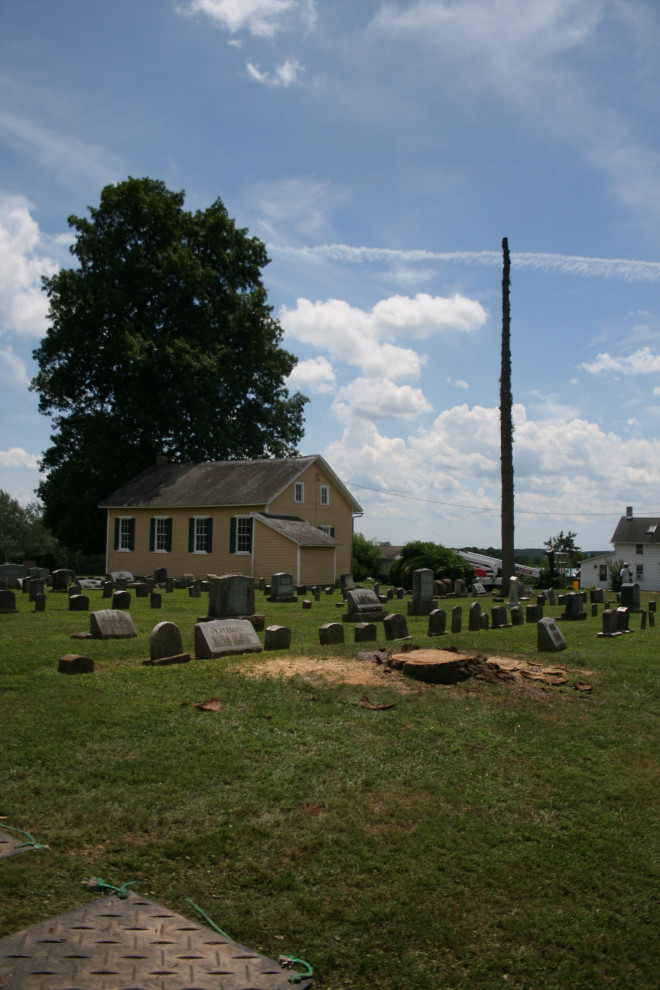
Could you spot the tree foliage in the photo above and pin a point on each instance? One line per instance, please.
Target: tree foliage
(160, 340)
(441, 560)
(367, 557)
(23, 535)
(564, 542)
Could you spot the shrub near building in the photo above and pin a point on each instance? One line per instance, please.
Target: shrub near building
(442, 561)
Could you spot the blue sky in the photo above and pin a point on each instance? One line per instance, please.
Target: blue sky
(382, 151)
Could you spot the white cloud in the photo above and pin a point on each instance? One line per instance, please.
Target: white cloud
(16, 457)
(561, 264)
(285, 74)
(656, 390)
(23, 305)
(362, 338)
(380, 398)
(301, 205)
(562, 469)
(313, 375)
(459, 383)
(263, 18)
(642, 362)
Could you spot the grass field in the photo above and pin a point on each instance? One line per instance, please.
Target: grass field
(471, 836)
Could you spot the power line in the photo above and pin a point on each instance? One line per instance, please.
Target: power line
(476, 508)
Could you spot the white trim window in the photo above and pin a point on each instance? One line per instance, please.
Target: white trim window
(325, 495)
(330, 530)
(240, 534)
(200, 534)
(124, 533)
(639, 572)
(299, 492)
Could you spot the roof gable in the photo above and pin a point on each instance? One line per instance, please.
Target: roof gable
(216, 483)
(637, 530)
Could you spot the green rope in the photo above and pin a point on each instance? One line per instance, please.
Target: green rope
(31, 843)
(208, 920)
(288, 961)
(95, 883)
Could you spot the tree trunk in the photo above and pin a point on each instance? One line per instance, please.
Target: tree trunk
(506, 429)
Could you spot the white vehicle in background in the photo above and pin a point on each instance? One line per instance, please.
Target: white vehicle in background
(489, 569)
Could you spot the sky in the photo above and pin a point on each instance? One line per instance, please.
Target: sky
(382, 151)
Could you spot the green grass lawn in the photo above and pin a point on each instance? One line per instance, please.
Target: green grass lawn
(471, 836)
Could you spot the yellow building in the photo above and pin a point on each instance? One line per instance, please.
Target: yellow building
(240, 517)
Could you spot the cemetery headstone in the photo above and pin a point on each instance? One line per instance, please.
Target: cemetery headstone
(485, 620)
(121, 599)
(630, 597)
(307, 603)
(72, 663)
(514, 591)
(499, 617)
(258, 621)
(40, 603)
(225, 637)
(478, 588)
(160, 575)
(194, 591)
(12, 573)
(36, 587)
(610, 624)
(396, 626)
(573, 610)
(437, 623)
(111, 624)
(596, 596)
(108, 589)
(62, 578)
(534, 612)
(422, 602)
(459, 587)
(277, 638)
(281, 588)
(366, 632)
(74, 589)
(623, 618)
(594, 610)
(78, 603)
(231, 595)
(456, 619)
(142, 590)
(550, 638)
(7, 601)
(331, 633)
(550, 596)
(165, 641)
(362, 603)
(652, 605)
(346, 582)
(169, 586)
(155, 599)
(474, 617)
(517, 617)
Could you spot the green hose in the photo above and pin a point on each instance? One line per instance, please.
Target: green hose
(95, 883)
(31, 843)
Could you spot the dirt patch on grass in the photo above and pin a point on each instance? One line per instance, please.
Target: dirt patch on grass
(514, 672)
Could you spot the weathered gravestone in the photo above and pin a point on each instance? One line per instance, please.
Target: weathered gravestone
(517, 617)
(630, 597)
(474, 617)
(307, 603)
(550, 638)
(121, 599)
(36, 587)
(108, 589)
(331, 633)
(437, 623)
(422, 597)
(573, 608)
(194, 591)
(478, 588)
(459, 587)
(485, 620)
(258, 621)
(40, 603)
(623, 619)
(396, 626)
(594, 610)
(499, 617)
(12, 574)
(142, 590)
(277, 638)
(514, 591)
(62, 578)
(456, 619)
(610, 624)
(111, 624)
(160, 575)
(155, 599)
(366, 632)
(225, 637)
(346, 582)
(596, 596)
(652, 605)
(7, 601)
(166, 645)
(281, 588)
(534, 612)
(362, 603)
(78, 603)
(74, 589)
(169, 586)
(73, 663)
(230, 596)
(550, 596)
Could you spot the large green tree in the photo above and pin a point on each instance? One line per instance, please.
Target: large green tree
(442, 561)
(23, 535)
(161, 340)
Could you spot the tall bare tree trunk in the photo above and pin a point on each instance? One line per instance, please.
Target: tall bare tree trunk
(506, 428)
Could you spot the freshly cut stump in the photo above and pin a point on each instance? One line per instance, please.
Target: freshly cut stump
(438, 666)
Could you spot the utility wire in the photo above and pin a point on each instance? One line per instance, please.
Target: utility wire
(481, 508)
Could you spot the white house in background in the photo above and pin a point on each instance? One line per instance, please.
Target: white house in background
(637, 543)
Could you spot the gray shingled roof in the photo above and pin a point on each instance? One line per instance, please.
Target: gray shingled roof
(301, 532)
(212, 483)
(636, 530)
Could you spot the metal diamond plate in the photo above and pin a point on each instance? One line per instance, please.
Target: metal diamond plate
(132, 944)
(11, 845)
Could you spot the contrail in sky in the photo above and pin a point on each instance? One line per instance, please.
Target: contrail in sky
(561, 264)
